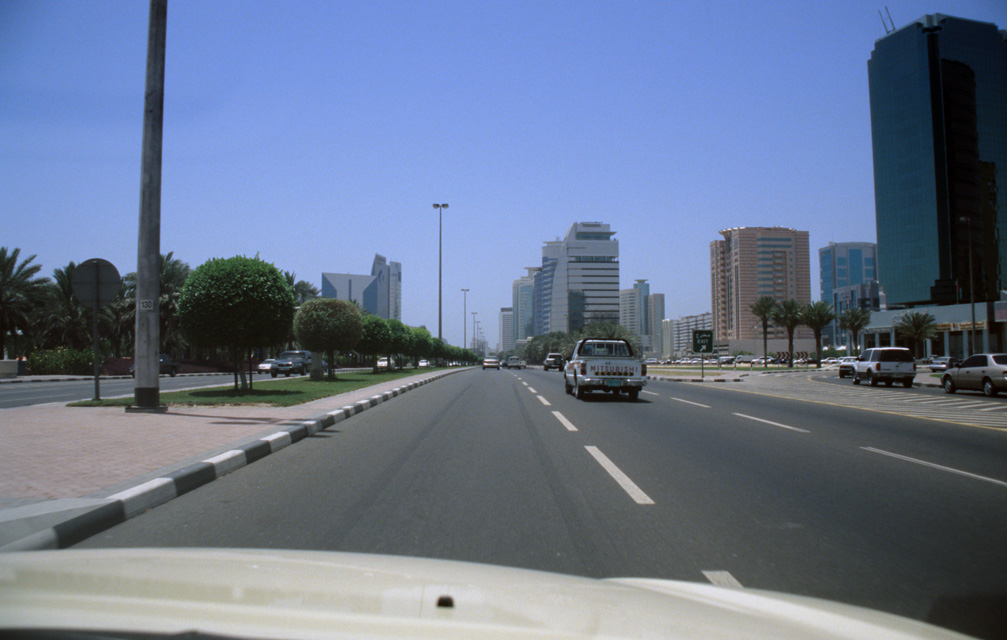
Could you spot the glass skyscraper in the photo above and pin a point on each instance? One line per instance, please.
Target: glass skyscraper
(938, 92)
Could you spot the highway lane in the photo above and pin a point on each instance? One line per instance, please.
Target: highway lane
(22, 394)
(697, 482)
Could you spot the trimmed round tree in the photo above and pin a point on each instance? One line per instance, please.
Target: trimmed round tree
(236, 304)
(327, 325)
(376, 337)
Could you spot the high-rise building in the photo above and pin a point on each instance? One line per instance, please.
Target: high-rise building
(523, 304)
(642, 312)
(677, 333)
(585, 283)
(938, 92)
(542, 302)
(843, 265)
(506, 329)
(750, 263)
(379, 293)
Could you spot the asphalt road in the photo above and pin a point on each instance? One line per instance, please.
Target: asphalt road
(23, 394)
(728, 483)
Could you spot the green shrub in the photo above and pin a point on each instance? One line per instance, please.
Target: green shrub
(61, 361)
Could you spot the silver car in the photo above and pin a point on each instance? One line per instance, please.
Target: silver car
(986, 372)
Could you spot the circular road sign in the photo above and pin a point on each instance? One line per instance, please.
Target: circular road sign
(96, 282)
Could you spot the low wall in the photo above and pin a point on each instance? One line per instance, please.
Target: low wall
(8, 368)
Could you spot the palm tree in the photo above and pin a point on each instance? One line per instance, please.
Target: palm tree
(63, 321)
(20, 292)
(817, 316)
(763, 310)
(303, 290)
(173, 274)
(917, 327)
(855, 320)
(788, 315)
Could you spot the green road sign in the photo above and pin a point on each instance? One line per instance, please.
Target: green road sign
(702, 341)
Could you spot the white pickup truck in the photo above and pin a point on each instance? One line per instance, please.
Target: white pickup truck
(604, 365)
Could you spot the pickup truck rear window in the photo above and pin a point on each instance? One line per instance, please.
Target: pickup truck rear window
(611, 349)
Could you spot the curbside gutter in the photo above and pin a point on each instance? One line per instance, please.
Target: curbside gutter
(132, 502)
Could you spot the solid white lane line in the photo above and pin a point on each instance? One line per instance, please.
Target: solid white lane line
(695, 404)
(651, 393)
(544, 401)
(775, 424)
(722, 579)
(562, 419)
(936, 466)
(627, 485)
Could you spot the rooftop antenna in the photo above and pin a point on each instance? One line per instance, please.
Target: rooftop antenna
(885, 24)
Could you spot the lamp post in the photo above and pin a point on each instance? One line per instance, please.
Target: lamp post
(465, 315)
(972, 299)
(474, 314)
(440, 228)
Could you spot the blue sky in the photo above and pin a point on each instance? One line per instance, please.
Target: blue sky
(316, 134)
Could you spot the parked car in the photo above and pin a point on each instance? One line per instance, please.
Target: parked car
(424, 363)
(986, 372)
(940, 363)
(553, 361)
(291, 362)
(885, 364)
(165, 366)
(846, 366)
(491, 363)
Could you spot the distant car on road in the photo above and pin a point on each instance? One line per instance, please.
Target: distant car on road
(491, 363)
(885, 364)
(424, 363)
(940, 363)
(515, 362)
(553, 361)
(165, 365)
(265, 366)
(986, 372)
(291, 362)
(846, 366)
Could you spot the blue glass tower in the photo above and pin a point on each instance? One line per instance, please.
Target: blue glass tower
(938, 90)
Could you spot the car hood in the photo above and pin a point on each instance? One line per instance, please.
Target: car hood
(305, 594)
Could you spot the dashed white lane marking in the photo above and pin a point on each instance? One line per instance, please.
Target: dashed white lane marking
(722, 579)
(936, 466)
(999, 408)
(695, 404)
(627, 485)
(651, 393)
(524, 383)
(544, 401)
(562, 419)
(532, 390)
(775, 424)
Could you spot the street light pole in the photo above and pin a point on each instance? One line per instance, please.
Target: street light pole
(972, 299)
(440, 229)
(465, 315)
(474, 314)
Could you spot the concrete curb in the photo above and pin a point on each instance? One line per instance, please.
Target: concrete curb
(132, 502)
(682, 379)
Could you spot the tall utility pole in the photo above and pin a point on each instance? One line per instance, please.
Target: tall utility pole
(440, 228)
(146, 393)
(465, 315)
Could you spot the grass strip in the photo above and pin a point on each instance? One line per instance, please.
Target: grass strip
(274, 393)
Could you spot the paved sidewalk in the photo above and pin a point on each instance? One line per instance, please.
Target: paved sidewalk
(60, 462)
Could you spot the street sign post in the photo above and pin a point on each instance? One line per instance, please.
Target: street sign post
(702, 342)
(95, 283)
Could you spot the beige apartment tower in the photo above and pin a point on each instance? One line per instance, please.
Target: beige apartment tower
(751, 262)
